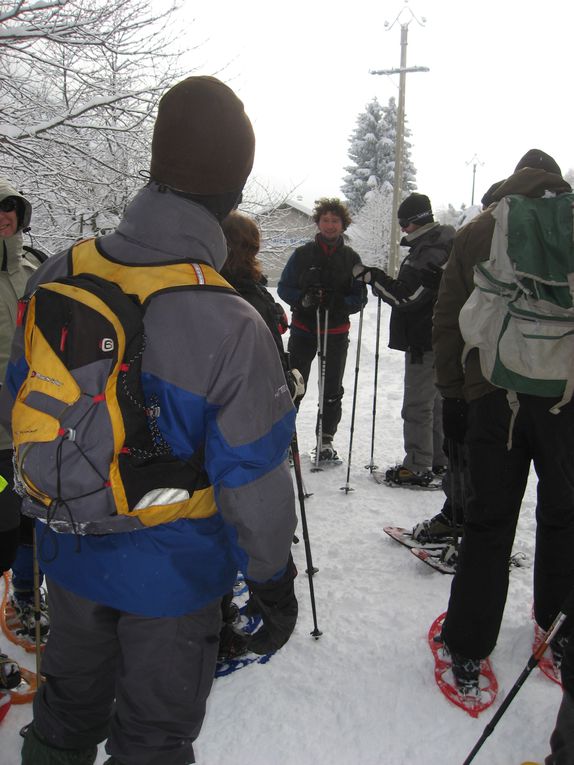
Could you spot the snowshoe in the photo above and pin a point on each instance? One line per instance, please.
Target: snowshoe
(405, 537)
(327, 456)
(17, 632)
(551, 661)
(442, 559)
(457, 679)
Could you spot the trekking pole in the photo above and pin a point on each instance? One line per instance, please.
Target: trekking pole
(346, 488)
(322, 356)
(532, 662)
(310, 568)
(37, 614)
(371, 466)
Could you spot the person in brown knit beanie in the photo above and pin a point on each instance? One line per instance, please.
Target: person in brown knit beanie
(136, 614)
(203, 143)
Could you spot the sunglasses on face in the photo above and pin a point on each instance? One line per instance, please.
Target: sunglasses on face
(9, 204)
(404, 222)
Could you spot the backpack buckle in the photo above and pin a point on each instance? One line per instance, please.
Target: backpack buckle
(68, 433)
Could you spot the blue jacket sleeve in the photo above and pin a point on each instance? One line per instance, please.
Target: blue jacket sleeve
(288, 285)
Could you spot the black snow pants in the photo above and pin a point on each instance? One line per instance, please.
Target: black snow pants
(499, 476)
(302, 351)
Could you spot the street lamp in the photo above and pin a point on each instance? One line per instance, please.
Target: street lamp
(399, 142)
(474, 161)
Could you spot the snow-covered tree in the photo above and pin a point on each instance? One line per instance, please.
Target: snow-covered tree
(370, 231)
(80, 82)
(372, 151)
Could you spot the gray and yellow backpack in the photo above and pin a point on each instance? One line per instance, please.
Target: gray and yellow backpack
(88, 453)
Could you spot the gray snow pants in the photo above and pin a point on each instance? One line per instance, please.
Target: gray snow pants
(422, 414)
(141, 682)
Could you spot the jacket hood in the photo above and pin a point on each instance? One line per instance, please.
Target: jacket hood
(7, 190)
(531, 182)
(159, 225)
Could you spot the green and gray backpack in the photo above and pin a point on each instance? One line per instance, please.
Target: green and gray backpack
(520, 315)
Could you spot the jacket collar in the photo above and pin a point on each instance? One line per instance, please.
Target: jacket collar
(159, 225)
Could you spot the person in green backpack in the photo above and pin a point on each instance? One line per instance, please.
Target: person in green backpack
(501, 441)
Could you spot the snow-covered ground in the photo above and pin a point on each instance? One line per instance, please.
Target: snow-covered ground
(364, 692)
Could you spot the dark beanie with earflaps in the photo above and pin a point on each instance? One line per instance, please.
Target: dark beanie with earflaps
(203, 142)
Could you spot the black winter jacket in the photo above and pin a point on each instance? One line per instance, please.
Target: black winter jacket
(411, 317)
(310, 266)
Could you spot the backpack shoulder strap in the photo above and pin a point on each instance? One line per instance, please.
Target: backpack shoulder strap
(38, 255)
(145, 281)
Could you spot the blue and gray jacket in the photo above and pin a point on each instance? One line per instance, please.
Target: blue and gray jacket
(212, 363)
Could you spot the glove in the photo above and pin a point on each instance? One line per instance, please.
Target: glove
(282, 320)
(454, 413)
(367, 274)
(295, 383)
(277, 604)
(311, 298)
(431, 276)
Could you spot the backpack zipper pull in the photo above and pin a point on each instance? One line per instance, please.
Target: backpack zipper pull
(63, 338)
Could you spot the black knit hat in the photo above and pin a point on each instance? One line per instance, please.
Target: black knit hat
(538, 159)
(487, 198)
(203, 142)
(416, 208)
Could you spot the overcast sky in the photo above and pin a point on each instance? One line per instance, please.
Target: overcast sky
(499, 83)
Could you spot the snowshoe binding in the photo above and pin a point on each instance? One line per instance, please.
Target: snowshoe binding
(409, 479)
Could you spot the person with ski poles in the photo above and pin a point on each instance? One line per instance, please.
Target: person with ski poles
(410, 331)
(317, 282)
(501, 440)
(136, 614)
(446, 525)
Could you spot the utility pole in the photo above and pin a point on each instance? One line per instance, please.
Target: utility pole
(400, 138)
(474, 161)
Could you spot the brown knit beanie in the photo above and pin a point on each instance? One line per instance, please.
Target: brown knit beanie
(203, 142)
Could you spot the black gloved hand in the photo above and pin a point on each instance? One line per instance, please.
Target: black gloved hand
(431, 276)
(311, 298)
(454, 414)
(368, 274)
(277, 604)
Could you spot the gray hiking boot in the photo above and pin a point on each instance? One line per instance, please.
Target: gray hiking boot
(557, 647)
(437, 528)
(23, 605)
(404, 476)
(9, 673)
(466, 673)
